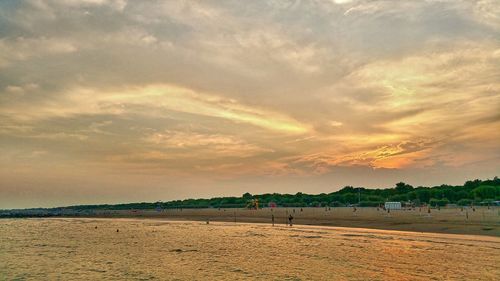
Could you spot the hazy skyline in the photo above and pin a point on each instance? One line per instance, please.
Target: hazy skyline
(120, 101)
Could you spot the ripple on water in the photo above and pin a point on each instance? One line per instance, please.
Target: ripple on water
(75, 250)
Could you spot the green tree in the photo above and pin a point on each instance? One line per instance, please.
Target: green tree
(464, 202)
(350, 198)
(438, 202)
(399, 198)
(375, 198)
(412, 195)
(485, 192)
(247, 196)
(424, 195)
(402, 187)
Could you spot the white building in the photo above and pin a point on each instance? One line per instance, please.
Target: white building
(393, 205)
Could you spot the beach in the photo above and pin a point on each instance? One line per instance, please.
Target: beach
(476, 221)
(145, 249)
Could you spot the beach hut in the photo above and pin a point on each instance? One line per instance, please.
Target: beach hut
(393, 205)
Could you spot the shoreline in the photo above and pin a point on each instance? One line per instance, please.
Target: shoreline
(482, 221)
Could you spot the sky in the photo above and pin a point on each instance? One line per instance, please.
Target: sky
(106, 101)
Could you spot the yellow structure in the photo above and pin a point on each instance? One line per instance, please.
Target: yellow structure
(253, 204)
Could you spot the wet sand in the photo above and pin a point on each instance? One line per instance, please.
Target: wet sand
(74, 249)
(482, 221)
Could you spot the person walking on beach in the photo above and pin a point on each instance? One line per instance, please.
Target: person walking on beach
(290, 218)
(272, 218)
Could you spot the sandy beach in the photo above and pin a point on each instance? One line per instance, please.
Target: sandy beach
(480, 221)
(92, 249)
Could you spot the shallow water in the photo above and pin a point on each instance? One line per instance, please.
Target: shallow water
(74, 249)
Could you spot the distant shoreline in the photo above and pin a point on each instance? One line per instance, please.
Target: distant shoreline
(482, 221)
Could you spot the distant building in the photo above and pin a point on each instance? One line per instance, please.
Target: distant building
(393, 205)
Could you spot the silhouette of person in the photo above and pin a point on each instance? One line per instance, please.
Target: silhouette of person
(290, 218)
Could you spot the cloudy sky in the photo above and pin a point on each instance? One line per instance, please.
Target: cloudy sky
(120, 101)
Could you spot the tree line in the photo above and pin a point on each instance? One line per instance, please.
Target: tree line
(477, 192)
